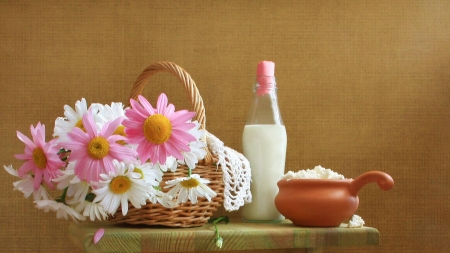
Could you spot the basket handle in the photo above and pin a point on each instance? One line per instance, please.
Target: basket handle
(190, 88)
(185, 79)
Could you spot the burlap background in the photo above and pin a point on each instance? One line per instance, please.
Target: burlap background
(363, 85)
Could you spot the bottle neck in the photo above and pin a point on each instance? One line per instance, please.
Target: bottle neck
(264, 108)
(265, 85)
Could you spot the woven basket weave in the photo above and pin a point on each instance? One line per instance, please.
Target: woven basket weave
(187, 214)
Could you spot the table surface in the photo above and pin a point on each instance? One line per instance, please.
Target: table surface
(236, 236)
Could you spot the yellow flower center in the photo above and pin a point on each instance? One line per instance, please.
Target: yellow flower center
(137, 170)
(98, 148)
(190, 183)
(120, 130)
(79, 124)
(39, 158)
(157, 129)
(120, 184)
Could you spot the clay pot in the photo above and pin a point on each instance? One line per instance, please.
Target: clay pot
(324, 202)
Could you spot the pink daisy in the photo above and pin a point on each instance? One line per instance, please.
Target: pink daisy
(40, 156)
(94, 151)
(159, 132)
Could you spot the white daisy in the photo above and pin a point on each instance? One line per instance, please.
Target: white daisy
(148, 172)
(62, 210)
(108, 113)
(111, 112)
(26, 185)
(157, 196)
(75, 187)
(119, 187)
(91, 209)
(73, 118)
(189, 188)
(197, 151)
(170, 165)
(165, 200)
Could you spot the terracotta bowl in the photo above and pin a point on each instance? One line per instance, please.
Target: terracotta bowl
(324, 202)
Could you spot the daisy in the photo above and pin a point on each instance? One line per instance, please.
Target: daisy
(146, 171)
(76, 188)
(26, 185)
(189, 188)
(90, 209)
(111, 112)
(72, 119)
(62, 210)
(40, 156)
(94, 151)
(159, 132)
(163, 198)
(170, 165)
(120, 186)
(197, 147)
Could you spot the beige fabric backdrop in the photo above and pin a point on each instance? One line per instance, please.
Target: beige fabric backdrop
(363, 85)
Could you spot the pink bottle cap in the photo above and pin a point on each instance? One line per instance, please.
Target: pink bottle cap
(265, 77)
(266, 68)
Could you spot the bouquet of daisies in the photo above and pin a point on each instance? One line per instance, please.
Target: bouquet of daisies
(106, 156)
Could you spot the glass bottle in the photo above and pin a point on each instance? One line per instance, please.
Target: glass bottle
(264, 143)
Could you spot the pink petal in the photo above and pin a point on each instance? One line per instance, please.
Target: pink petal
(132, 123)
(115, 138)
(169, 110)
(180, 145)
(136, 111)
(146, 105)
(136, 140)
(144, 150)
(182, 116)
(78, 135)
(107, 165)
(25, 140)
(120, 152)
(95, 168)
(23, 156)
(39, 135)
(89, 124)
(109, 128)
(173, 150)
(161, 104)
(162, 154)
(28, 166)
(98, 235)
(133, 117)
(82, 168)
(182, 135)
(133, 133)
(78, 154)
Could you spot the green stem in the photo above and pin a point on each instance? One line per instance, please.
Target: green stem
(62, 199)
(215, 225)
(189, 172)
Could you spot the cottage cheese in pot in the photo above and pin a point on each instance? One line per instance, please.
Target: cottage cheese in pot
(317, 173)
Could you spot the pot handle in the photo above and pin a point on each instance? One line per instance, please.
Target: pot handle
(384, 181)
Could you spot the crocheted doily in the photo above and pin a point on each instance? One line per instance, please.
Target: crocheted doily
(236, 173)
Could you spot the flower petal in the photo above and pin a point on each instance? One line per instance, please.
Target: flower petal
(146, 105)
(89, 124)
(161, 104)
(98, 235)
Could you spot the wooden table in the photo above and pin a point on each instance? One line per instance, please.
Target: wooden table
(237, 236)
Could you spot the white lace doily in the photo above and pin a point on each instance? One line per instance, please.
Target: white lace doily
(236, 173)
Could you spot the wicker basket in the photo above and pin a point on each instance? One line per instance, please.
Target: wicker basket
(187, 214)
